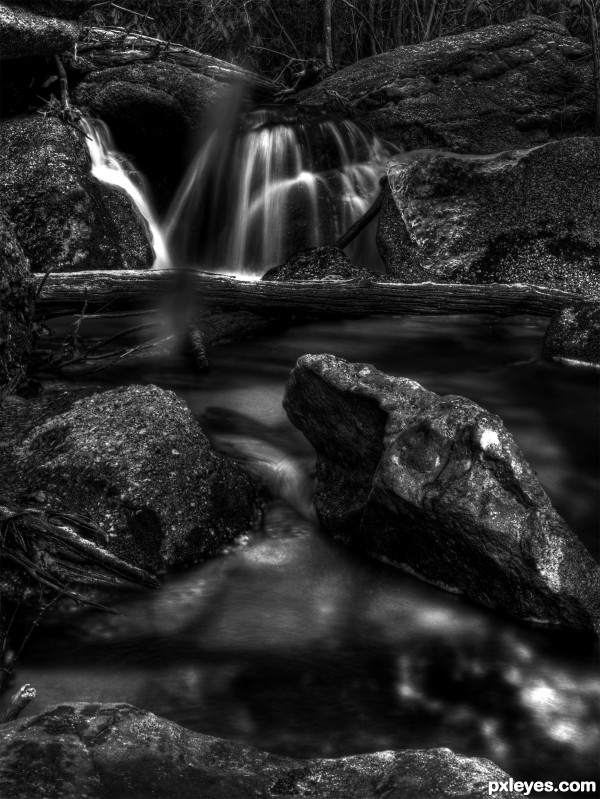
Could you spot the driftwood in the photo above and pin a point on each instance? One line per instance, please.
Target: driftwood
(66, 293)
(101, 48)
(18, 702)
(368, 216)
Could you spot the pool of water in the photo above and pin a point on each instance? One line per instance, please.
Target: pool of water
(289, 642)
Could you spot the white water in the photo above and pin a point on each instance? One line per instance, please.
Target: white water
(109, 166)
(252, 199)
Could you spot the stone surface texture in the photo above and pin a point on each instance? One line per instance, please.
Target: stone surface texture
(65, 219)
(521, 216)
(573, 336)
(317, 263)
(16, 304)
(65, 9)
(93, 751)
(133, 460)
(436, 485)
(23, 34)
(497, 87)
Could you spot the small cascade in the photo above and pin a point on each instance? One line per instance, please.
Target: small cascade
(253, 197)
(109, 166)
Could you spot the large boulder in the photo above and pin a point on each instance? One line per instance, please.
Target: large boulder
(573, 336)
(65, 219)
(118, 750)
(25, 34)
(150, 108)
(16, 305)
(133, 460)
(437, 485)
(521, 216)
(483, 91)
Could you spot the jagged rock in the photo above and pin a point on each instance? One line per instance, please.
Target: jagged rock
(501, 86)
(16, 304)
(66, 9)
(317, 263)
(573, 336)
(151, 107)
(521, 216)
(25, 34)
(64, 217)
(119, 750)
(135, 461)
(438, 486)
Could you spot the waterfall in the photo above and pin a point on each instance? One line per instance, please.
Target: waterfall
(253, 197)
(109, 166)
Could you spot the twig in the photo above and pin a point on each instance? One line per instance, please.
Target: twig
(64, 87)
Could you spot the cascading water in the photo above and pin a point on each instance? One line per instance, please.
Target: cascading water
(251, 199)
(109, 166)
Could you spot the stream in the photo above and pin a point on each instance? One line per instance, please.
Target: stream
(295, 645)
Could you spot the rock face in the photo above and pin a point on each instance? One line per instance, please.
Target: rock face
(438, 486)
(573, 336)
(487, 90)
(317, 263)
(117, 750)
(151, 109)
(522, 216)
(25, 34)
(64, 217)
(136, 462)
(16, 304)
(66, 9)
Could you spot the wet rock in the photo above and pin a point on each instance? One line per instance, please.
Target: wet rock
(497, 87)
(65, 9)
(318, 263)
(437, 485)
(64, 217)
(119, 750)
(134, 461)
(521, 216)
(16, 305)
(25, 34)
(152, 108)
(573, 336)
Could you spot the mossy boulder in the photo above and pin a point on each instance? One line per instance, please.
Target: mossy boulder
(23, 33)
(65, 219)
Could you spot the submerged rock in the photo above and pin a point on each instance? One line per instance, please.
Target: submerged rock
(65, 219)
(16, 305)
(318, 263)
(152, 109)
(119, 750)
(25, 34)
(437, 485)
(134, 461)
(573, 336)
(500, 86)
(521, 216)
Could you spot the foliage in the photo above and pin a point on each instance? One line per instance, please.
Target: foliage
(272, 36)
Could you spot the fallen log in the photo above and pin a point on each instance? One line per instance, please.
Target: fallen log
(66, 292)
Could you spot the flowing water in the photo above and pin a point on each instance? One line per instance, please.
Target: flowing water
(293, 644)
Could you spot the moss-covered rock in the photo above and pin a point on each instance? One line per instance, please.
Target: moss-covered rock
(486, 90)
(318, 263)
(16, 304)
(573, 336)
(521, 216)
(135, 461)
(65, 219)
(95, 751)
(25, 34)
